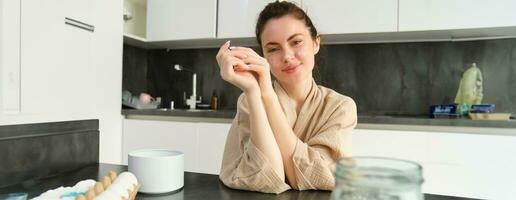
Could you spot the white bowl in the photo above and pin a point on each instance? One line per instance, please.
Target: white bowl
(157, 170)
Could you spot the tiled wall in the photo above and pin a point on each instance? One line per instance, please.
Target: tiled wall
(32, 151)
(388, 78)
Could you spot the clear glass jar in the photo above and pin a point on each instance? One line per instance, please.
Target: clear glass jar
(377, 178)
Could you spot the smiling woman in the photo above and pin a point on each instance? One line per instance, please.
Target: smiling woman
(290, 132)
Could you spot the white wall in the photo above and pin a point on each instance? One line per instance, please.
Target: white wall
(106, 60)
(138, 24)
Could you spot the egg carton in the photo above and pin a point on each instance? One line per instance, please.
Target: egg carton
(124, 186)
(104, 189)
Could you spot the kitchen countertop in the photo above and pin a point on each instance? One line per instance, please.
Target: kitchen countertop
(197, 186)
(383, 122)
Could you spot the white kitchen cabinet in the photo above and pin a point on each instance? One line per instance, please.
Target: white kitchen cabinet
(9, 56)
(237, 18)
(54, 71)
(153, 134)
(202, 143)
(353, 16)
(59, 54)
(408, 145)
(80, 10)
(181, 20)
(480, 166)
(135, 18)
(423, 15)
(456, 164)
(185, 24)
(212, 139)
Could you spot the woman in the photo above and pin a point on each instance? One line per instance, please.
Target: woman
(290, 132)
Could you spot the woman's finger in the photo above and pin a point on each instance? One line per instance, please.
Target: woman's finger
(238, 54)
(245, 49)
(230, 66)
(251, 56)
(254, 60)
(223, 48)
(256, 68)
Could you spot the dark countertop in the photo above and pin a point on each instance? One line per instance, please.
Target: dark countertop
(227, 114)
(362, 118)
(197, 186)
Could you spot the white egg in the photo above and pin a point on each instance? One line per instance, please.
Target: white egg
(84, 185)
(123, 182)
(131, 177)
(108, 195)
(119, 190)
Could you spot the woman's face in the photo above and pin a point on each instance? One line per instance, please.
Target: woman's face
(289, 49)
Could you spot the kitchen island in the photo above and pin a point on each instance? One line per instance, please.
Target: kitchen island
(197, 187)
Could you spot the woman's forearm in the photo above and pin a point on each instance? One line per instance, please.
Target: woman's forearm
(262, 135)
(283, 133)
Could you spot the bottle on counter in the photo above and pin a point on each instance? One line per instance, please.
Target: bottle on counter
(214, 100)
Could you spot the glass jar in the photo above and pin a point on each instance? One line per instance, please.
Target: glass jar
(377, 178)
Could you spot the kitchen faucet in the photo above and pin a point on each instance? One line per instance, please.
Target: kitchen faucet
(192, 101)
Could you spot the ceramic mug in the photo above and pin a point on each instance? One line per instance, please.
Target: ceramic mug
(145, 98)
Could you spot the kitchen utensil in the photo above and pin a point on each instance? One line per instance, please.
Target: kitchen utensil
(158, 170)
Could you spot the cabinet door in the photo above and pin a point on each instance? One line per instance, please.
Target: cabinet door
(150, 134)
(80, 10)
(181, 19)
(42, 31)
(56, 72)
(212, 139)
(352, 16)
(237, 18)
(419, 15)
(9, 56)
(407, 145)
(479, 166)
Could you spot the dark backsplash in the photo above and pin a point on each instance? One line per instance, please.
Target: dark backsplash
(387, 78)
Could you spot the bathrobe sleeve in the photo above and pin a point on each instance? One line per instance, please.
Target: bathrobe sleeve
(315, 159)
(244, 166)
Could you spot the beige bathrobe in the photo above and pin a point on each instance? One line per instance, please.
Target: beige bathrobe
(323, 126)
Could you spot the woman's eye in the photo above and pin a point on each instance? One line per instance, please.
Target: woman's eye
(297, 42)
(272, 50)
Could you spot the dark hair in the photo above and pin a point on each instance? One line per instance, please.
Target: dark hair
(279, 9)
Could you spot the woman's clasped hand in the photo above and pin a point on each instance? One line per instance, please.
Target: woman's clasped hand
(244, 68)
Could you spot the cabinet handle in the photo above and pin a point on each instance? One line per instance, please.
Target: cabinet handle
(79, 24)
